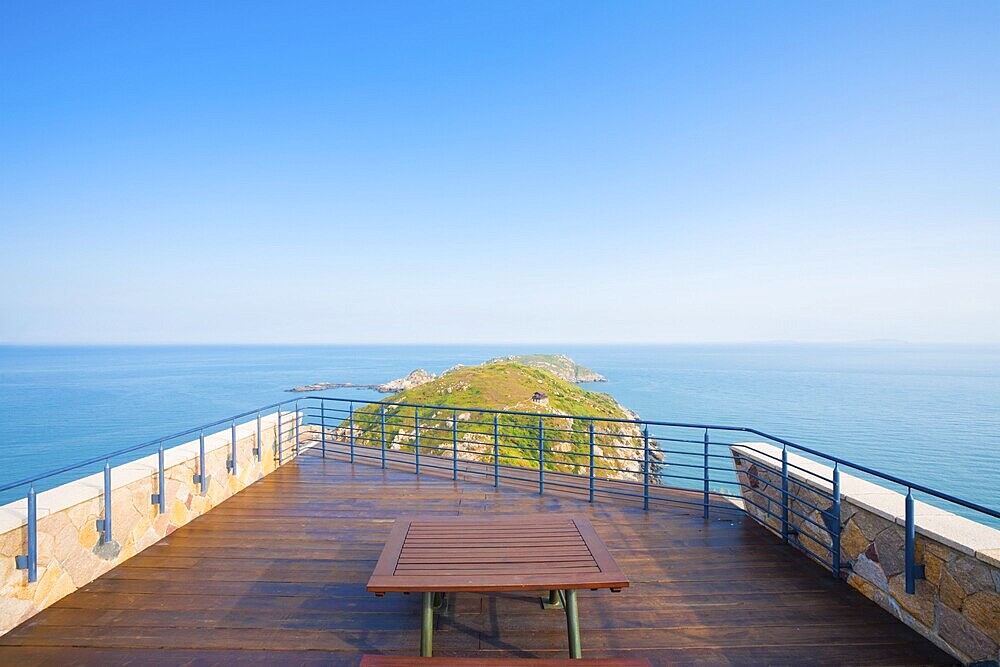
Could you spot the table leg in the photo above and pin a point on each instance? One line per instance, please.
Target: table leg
(573, 624)
(427, 626)
(554, 601)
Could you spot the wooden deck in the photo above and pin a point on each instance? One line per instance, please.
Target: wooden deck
(277, 574)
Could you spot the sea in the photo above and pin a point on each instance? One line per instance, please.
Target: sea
(926, 413)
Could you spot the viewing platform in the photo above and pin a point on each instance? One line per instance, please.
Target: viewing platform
(276, 574)
(256, 537)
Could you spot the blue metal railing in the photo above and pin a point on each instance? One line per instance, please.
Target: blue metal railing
(651, 461)
(692, 457)
(29, 560)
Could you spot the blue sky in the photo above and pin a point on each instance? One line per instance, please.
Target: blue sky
(499, 172)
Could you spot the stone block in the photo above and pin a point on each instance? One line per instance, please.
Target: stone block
(48, 576)
(960, 633)
(933, 567)
(140, 528)
(920, 605)
(66, 543)
(983, 611)
(852, 541)
(890, 545)
(178, 513)
(816, 533)
(938, 549)
(773, 492)
(950, 592)
(810, 496)
(62, 587)
(82, 566)
(870, 524)
(871, 571)
(972, 575)
(11, 543)
(13, 611)
(874, 593)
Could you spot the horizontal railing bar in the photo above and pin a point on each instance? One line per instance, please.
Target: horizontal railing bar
(133, 448)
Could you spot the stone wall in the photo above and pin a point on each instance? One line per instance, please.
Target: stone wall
(69, 550)
(956, 605)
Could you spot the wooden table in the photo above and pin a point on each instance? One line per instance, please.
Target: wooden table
(555, 552)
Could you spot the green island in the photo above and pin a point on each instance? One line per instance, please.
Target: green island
(498, 385)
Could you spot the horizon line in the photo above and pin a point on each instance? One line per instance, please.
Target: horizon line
(872, 341)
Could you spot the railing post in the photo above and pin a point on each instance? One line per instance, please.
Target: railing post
(835, 519)
(258, 449)
(322, 425)
(416, 439)
(913, 571)
(104, 525)
(351, 408)
(591, 460)
(705, 500)
(160, 498)
(32, 535)
(298, 418)
(232, 460)
(784, 492)
(496, 449)
(541, 455)
(645, 468)
(454, 445)
(200, 477)
(29, 561)
(278, 437)
(382, 421)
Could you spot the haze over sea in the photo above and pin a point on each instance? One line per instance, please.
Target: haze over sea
(929, 413)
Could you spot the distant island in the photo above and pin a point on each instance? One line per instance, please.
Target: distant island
(559, 365)
(515, 388)
(414, 379)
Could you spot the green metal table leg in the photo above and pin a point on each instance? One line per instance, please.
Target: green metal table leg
(554, 601)
(573, 625)
(427, 626)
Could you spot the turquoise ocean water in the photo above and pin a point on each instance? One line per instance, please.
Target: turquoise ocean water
(927, 413)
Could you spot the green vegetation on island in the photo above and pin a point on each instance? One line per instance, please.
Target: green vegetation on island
(508, 386)
(558, 364)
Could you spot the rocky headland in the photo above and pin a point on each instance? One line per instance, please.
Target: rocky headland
(559, 365)
(513, 388)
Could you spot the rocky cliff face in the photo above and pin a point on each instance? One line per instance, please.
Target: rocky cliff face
(414, 379)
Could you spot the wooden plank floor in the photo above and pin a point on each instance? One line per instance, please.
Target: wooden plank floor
(276, 575)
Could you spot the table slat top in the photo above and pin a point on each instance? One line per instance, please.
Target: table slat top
(494, 554)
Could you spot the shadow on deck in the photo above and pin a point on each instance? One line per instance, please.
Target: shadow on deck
(277, 575)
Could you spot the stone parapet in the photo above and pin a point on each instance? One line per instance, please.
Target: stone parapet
(956, 605)
(70, 553)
